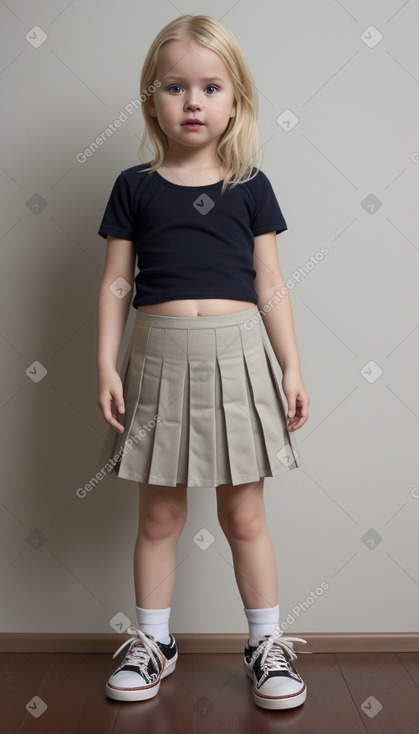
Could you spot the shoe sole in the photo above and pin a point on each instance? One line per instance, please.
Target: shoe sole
(141, 694)
(273, 702)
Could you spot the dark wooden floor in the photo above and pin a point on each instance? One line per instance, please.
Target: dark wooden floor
(210, 694)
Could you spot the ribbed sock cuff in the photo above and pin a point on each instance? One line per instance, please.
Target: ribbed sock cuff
(261, 622)
(154, 622)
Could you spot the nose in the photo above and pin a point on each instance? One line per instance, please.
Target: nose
(191, 100)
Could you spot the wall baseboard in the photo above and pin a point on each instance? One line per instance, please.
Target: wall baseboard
(34, 642)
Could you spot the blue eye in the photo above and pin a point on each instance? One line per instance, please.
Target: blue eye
(178, 86)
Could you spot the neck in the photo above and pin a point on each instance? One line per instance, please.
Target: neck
(179, 156)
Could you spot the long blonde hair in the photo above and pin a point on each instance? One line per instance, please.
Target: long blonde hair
(239, 149)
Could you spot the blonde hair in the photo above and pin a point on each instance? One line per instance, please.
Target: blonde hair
(239, 149)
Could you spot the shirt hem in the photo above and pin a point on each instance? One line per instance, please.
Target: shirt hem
(115, 233)
(275, 226)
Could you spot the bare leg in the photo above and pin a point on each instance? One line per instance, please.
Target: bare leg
(241, 513)
(162, 516)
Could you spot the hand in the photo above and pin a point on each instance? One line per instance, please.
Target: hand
(110, 397)
(297, 398)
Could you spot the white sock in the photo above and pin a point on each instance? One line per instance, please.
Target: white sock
(154, 622)
(261, 622)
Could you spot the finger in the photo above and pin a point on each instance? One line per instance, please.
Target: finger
(115, 424)
(110, 417)
(119, 402)
(291, 407)
(297, 424)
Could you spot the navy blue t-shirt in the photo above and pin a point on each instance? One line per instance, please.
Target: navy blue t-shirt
(191, 241)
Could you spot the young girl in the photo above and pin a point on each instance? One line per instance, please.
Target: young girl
(198, 403)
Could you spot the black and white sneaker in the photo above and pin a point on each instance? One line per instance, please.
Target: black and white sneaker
(276, 683)
(146, 662)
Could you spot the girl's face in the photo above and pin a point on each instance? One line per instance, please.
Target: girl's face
(194, 85)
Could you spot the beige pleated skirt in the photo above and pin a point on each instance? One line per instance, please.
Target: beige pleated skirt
(203, 405)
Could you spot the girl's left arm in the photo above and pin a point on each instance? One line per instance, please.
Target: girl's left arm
(275, 308)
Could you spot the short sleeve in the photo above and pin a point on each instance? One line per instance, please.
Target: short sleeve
(119, 218)
(267, 216)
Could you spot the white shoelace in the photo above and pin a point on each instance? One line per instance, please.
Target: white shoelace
(135, 654)
(273, 650)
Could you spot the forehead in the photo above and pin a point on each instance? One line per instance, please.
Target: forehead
(189, 59)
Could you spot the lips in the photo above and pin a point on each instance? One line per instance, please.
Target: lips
(192, 122)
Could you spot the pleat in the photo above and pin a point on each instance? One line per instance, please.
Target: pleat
(235, 401)
(112, 440)
(289, 453)
(222, 460)
(202, 466)
(134, 440)
(268, 402)
(182, 475)
(171, 396)
(258, 437)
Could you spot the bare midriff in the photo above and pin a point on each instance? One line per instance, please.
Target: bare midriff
(196, 307)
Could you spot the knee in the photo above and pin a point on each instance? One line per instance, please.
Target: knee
(161, 524)
(242, 525)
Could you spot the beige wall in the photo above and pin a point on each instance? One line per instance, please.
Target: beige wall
(66, 561)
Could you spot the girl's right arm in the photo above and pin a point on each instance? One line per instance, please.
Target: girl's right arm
(113, 309)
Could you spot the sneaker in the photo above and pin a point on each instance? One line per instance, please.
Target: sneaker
(276, 683)
(146, 662)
